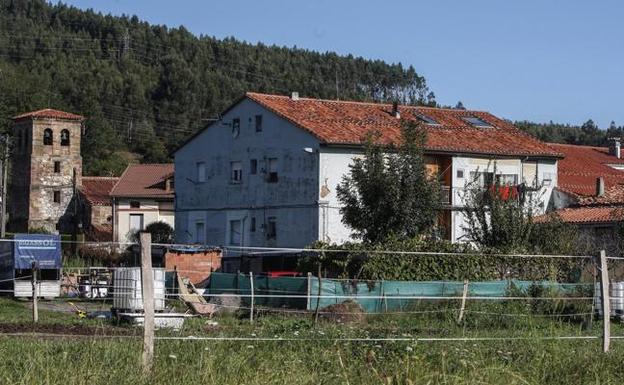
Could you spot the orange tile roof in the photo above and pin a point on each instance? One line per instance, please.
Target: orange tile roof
(144, 180)
(344, 122)
(96, 189)
(590, 214)
(613, 195)
(48, 113)
(100, 233)
(582, 165)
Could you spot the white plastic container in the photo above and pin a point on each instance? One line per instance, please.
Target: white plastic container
(616, 299)
(127, 291)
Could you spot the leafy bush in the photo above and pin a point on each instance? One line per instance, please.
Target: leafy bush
(38, 230)
(387, 261)
(100, 256)
(161, 232)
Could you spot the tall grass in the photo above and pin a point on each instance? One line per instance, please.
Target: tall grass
(315, 358)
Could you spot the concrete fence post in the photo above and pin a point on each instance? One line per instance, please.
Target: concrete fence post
(147, 288)
(606, 302)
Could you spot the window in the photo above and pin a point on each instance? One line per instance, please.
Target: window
(57, 166)
(236, 172)
(477, 122)
(135, 204)
(57, 196)
(427, 120)
(201, 171)
(460, 174)
(507, 179)
(271, 232)
(253, 166)
(65, 138)
(272, 170)
(47, 137)
(200, 233)
(258, 123)
(235, 233)
(235, 127)
(482, 178)
(136, 222)
(252, 224)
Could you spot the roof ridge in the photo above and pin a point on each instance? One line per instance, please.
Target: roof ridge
(575, 145)
(367, 103)
(98, 177)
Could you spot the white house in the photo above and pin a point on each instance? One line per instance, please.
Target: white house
(266, 173)
(143, 194)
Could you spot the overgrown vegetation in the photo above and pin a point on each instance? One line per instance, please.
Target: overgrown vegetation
(308, 354)
(388, 192)
(388, 260)
(501, 217)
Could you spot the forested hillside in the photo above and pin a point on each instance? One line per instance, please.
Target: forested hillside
(586, 134)
(144, 88)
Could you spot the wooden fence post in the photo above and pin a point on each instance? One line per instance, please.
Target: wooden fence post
(606, 303)
(463, 302)
(35, 292)
(147, 288)
(251, 284)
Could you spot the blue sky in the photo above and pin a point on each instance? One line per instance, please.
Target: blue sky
(532, 59)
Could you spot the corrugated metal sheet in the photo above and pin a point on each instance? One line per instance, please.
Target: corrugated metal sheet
(46, 289)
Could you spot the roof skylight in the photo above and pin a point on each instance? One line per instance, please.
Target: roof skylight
(426, 119)
(477, 122)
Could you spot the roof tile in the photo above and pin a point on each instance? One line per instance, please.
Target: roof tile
(48, 113)
(144, 180)
(344, 122)
(582, 165)
(96, 189)
(590, 214)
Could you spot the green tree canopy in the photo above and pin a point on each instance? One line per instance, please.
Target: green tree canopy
(388, 192)
(145, 88)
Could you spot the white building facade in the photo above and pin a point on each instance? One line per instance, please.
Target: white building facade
(265, 175)
(144, 194)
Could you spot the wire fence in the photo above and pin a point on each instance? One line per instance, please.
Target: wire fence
(97, 284)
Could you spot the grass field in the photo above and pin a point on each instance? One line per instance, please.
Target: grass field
(309, 355)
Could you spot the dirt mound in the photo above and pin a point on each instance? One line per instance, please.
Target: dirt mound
(227, 304)
(346, 312)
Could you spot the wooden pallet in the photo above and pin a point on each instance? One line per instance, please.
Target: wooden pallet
(193, 300)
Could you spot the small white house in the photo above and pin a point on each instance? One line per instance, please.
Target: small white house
(143, 194)
(266, 173)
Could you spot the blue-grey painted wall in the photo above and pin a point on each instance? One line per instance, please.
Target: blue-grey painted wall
(217, 201)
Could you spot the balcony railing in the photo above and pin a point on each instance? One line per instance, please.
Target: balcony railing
(446, 195)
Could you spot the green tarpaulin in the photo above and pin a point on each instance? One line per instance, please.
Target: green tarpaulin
(301, 292)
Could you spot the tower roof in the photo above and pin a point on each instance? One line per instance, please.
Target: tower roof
(48, 113)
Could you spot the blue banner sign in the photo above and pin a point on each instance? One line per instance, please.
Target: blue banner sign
(43, 249)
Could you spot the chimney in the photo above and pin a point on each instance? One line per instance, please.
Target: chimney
(615, 147)
(395, 110)
(600, 188)
(294, 96)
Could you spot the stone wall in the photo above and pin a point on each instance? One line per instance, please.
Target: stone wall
(34, 180)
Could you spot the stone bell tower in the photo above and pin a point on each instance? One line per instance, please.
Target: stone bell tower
(46, 170)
